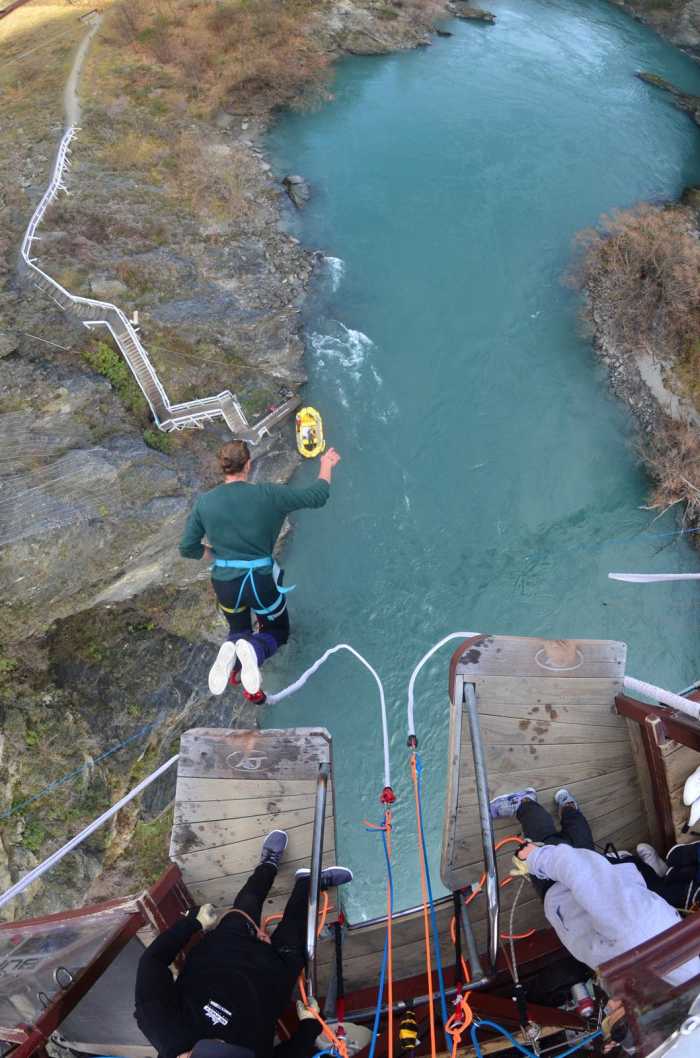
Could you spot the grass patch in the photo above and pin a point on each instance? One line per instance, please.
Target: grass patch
(110, 363)
(156, 439)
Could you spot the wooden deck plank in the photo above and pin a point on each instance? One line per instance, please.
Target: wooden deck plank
(545, 781)
(517, 656)
(500, 730)
(203, 789)
(214, 834)
(574, 700)
(201, 865)
(243, 808)
(264, 754)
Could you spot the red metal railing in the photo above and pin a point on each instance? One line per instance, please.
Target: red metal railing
(159, 907)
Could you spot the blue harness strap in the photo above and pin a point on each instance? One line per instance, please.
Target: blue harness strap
(250, 565)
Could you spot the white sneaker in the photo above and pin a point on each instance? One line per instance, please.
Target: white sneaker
(250, 671)
(221, 669)
(691, 788)
(649, 855)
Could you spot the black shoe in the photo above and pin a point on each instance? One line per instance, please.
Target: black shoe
(686, 854)
(273, 847)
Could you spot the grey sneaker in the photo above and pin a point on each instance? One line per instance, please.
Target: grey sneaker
(330, 876)
(508, 804)
(563, 799)
(222, 668)
(273, 846)
(649, 855)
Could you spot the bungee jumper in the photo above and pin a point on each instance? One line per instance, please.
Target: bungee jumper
(599, 906)
(241, 522)
(236, 981)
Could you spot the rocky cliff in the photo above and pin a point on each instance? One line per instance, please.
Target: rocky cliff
(677, 20)
(174, 214)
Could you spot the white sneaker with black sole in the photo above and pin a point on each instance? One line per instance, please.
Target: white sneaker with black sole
(648, 854)
(222, 668)
(251, 679)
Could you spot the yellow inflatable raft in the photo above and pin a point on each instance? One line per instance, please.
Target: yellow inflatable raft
(310, 439)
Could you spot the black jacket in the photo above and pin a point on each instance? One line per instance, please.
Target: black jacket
(230, 990)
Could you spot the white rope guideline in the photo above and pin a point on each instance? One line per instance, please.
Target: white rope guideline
(273, 699)
(54, 858)
(675, 701)
(419, 666)
(652, 578)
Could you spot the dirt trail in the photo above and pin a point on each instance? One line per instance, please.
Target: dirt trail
(71, 101)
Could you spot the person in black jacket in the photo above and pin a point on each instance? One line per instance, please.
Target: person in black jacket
(234, 985)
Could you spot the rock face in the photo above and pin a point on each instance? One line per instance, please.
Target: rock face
(677, 20)
(297, 189)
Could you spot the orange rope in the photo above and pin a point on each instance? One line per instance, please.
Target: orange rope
(426, 922)
(478, 888)
(338, 1043)
(461, 1019)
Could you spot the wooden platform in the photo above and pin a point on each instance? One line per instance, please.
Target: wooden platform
(547, 720)
(233, 787)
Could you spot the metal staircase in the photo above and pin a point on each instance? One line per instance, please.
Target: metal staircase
(189, 415)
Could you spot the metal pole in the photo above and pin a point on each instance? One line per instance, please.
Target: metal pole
(482, 793)
(479, 978)
(315, 879)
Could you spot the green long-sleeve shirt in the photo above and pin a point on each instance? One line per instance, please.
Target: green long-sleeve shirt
(243, 521)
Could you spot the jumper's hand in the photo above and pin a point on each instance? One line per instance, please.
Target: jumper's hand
(304, 1012)
(328, 460)
(208, 555)
(207, 916)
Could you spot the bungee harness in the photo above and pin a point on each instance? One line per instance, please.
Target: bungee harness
(250, 565)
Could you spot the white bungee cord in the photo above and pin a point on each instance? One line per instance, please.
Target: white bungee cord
(652, 578)
(419, 666)
(273, 699)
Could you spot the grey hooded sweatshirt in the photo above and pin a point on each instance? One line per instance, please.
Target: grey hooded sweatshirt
(600, 910)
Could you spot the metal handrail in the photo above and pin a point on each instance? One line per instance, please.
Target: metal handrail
(489, 846)
(167, 416)
(315, 879)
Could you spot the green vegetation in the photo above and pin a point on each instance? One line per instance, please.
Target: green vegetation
(110, 363)
(149, 847)
(161, 442)
(34, 835)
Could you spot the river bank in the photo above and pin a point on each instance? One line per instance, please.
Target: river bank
(638, 274)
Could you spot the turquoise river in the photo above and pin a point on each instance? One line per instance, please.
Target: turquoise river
(488, 480)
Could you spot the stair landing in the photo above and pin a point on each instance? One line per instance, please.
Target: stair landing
(233, 787)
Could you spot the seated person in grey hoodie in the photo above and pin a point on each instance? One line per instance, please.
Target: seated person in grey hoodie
(598, 908)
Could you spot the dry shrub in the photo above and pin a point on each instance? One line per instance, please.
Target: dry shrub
(673, 459)
(210, 183)
(233, 52)
(135, 150)
(640, 272)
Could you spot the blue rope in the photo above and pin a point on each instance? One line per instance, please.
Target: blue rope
(76, 771)
(385, 957)
(524, 1050)
(433, 916)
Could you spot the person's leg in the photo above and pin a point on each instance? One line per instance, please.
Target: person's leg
(254, 893)
(537, 823)
(574, 825)
(289, 938)
(575, 828)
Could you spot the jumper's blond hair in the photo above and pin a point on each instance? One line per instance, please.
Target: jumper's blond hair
(233, 456)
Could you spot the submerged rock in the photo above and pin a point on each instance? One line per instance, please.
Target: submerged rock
(297, 189)
(689, 103)
(474, 14)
